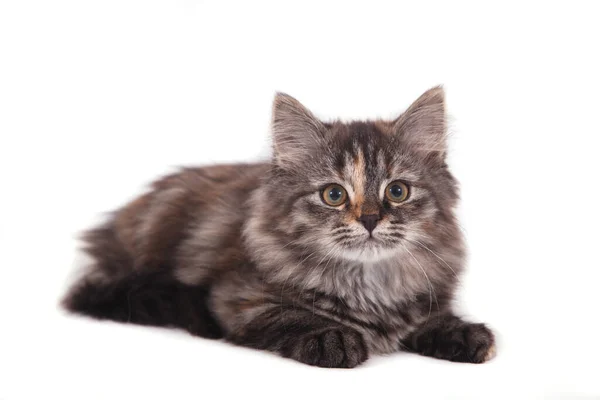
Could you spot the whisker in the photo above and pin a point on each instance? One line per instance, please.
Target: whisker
(321, 275)
(288, 277)
(431, 289)
(344, 237)
(341, 228)
(435, 255)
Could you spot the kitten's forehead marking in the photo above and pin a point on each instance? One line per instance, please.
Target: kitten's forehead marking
(357, 176)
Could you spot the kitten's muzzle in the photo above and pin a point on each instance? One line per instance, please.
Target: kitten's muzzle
(370, 221)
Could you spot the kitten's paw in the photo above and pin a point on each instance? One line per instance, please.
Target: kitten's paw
(491, 353)
(464, 342)
(333, 348)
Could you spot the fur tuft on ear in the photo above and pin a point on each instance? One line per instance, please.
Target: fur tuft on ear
(296, 131)
(423, 124)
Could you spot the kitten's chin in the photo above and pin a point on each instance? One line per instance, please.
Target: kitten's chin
(368, 253)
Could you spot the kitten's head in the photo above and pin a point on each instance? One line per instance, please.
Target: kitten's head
(360, 191)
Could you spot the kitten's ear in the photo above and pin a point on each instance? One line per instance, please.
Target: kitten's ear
(423, 125)
(296, 131)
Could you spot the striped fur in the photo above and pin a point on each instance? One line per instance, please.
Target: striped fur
(251, 252)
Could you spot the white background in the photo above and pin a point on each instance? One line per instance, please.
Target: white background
(97, 98)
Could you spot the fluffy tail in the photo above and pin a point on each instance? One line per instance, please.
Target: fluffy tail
(114, 290)
(147, 299)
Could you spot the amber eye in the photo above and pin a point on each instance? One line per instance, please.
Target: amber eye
(334, 195)
(396, 192)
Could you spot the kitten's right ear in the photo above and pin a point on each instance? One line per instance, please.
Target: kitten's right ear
(296, 131)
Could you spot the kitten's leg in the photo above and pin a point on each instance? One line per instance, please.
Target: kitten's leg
(302, 336)
(450, 338)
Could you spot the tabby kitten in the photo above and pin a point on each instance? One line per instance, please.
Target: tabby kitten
(343, 245)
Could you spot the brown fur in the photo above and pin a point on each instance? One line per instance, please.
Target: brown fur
(253, 254)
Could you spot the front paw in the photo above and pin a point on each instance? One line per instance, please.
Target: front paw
(332, 348)
(458, 341)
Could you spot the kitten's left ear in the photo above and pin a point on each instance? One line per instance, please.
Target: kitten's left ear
(296, 131)
(423, 125)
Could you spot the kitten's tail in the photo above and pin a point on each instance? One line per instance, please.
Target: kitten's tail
(147, 299)
(113, 290)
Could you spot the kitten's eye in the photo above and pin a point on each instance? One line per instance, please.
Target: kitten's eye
(396, 191)
(334, 195)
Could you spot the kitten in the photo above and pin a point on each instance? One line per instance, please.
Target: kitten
(343, 245)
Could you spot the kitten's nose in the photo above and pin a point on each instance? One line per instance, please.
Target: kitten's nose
(369, 221)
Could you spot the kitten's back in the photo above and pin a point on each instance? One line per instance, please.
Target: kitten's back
(136, 252)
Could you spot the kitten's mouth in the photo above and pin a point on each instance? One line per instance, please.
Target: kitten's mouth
(375, 242)
(371, 243)
(373, 239)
